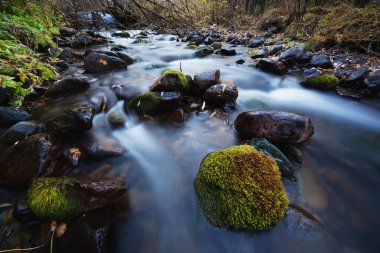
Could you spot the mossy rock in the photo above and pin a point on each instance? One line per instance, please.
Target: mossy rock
(240, 188)
(323, 82)
(171, 81)
(49, 198)
(144, 104)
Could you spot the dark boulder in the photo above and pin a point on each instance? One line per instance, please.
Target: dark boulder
(259, 54)
(220, 94)
(66, 86)
(267, 148)
(122, 34)
(271, 66)
(321, 82)
(35, 156)
(217, 45)
(227, 52)
(282, 127)
(11, 115)
(255, 43)
(356, 78)
(70, 55)
(72, 121)
(18, 132)
(84, 40)
(372, 82)
(354, 93)
(125, 57)
(321, 61)
(102, 149)
(118, 48)
(171, 81)
(275, 50)
(96, 63)
(67, 31)
(203, 51)
(291, 55)
(204, 80)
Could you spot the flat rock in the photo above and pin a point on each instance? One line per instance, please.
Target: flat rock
(11, 115)
(97, 63)
(18, 132)
(67, 86)
(321, 61)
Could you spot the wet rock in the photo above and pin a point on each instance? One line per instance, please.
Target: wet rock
(116, 119)
(204, 80)
(217, 45)
(35, 156)
(321, 61)
(11, 115)
(18, 132)
(258, 54)
(197, 39)
(118, 48)
(204, 51)
(102, 101)
(220, 94)
(70, 55)
(4, 96)
(96, 63)
(227, 52)
(128, 59)
(153, 103)
(304, 58)
(66, 86)
(322, 82)
(241, 61)
(356, 77)
(126, 92)
(171, 81)
(282, 127)
(267, 148)
(208, 41)
(122, 34)
(372, 82)
(353, 92)
(231, 37)
(84, 40)
(62, 65)
(271, 66)
(176, 117)
(291, 151)
(275, 50)
(103, 149)
(255, 43)
(67, 31)
(291, 55)
(72, 121)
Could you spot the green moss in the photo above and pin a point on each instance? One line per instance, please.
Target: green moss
(324, 82)
(48, 198)
(241, 189)
(144, 104)
(17, 91)
(177, 75)
(192, 46)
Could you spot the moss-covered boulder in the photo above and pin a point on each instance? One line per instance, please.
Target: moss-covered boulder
(171, 80)
(240, 188)
(322, 82)
(153, 103)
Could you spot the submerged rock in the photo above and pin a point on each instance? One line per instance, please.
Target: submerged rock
(322, 82)
(271, 66)
(96, 63)
(275, 126)
(35, 156)
(171, 81)
(72, 121)
(11, 115)
(241, 189)
(153, 103)
(67, 86)
(18, 132)
(220, 94)
(204, 80)
(65, 198)
(267, 148)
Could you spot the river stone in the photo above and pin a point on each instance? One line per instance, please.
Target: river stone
(67, 31)
(271, 66)
(372, 82)
(203, 51)
(292, 54)
(66, 86)
(276, 50)
(35, 156)
(125, 57)
(255, 43)
(122, 34)
(170, 81)
(72, 121)
(116, 119)
(204, 80)
(267, 148)
(356, 77)
(11, 115)
(18, 132)
(353, 92)
(70, 55)
(84, 40)
(126, 92)
(102, 149)
(217, 45)
(97, 63)
(321, 61)
(282, 127)
(259, 54)
(220, 94)
(227, 52)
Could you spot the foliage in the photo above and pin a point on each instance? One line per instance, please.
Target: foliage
(18, 91)
(240, 188)
(49, 198)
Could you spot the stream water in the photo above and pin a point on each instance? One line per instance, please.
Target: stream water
(338, 181)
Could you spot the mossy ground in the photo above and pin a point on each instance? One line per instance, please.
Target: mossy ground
(324, 82)
(241, 189)
(48, 198)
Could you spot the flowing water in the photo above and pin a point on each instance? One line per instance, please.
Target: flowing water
(338, 181)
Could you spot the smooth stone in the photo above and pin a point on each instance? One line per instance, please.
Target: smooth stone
(204, 80)
(353, 92)
(41, 155)
(126, 92)
(276, 126)
(275, 50)
(356, 77)
(259, 54)
(372, 82)
(103, 149)
(271, 66)
(11, 115)
(67, 31)
(67, 86)
(203, 51)
(116, 119)
(255, 43)
(69, 55)
(321, 61)
(220, 94)
(18, 132)
(226, 52)
(292, 54)
(97, 63)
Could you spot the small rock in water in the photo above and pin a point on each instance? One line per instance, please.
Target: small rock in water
(220, 94)
(353, 93)
(171, 81)
(241, 61)
(97, 63)
(322, 82)
(271, 66)
(11, 115)
(204, 80)
(126, 92)
(66, 86)
(227, 52)
(204, 51)
(282, 127)
(292, 54)
(103, 149)
(321, 61)
(255, 43)
(116, 119)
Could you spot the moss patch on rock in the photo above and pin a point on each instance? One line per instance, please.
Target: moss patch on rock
(144, 104)
(176, 74)
(323, 82)
(49, 198)
(241, 189)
